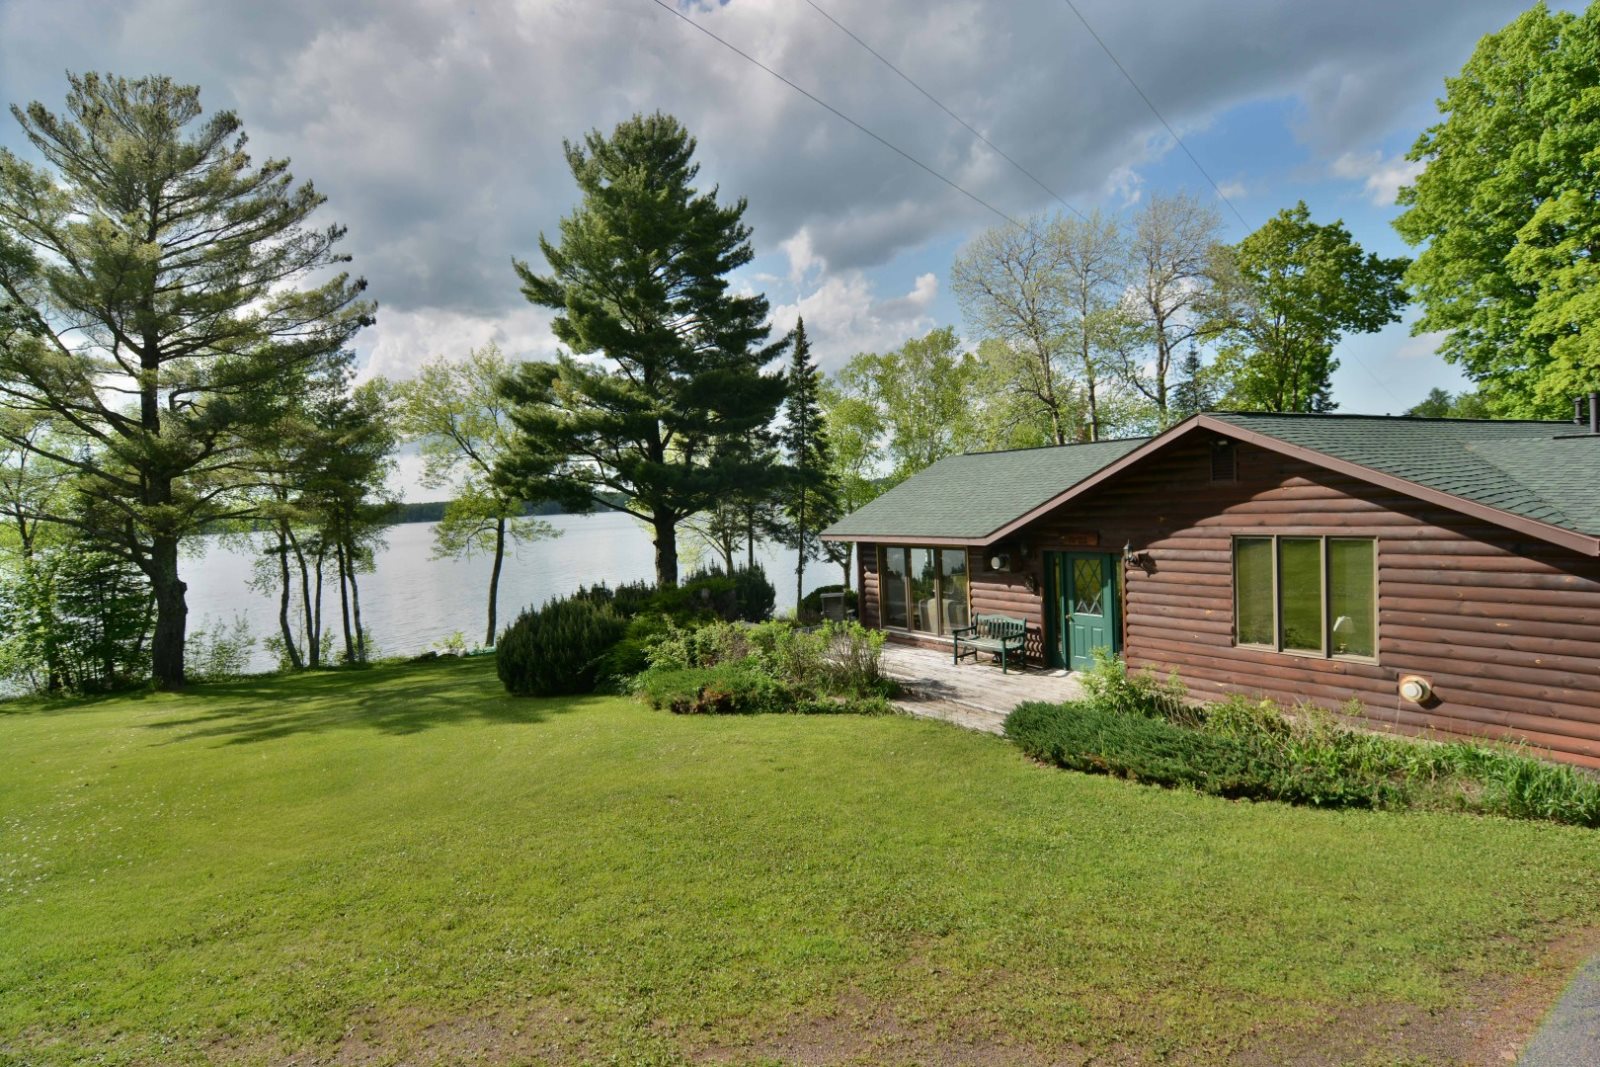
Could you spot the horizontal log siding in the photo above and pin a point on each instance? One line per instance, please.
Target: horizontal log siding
(1506, 629)
(867, 584)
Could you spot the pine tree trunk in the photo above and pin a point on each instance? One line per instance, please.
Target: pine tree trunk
(172, 614)
(316, 631)
(494, 576)
(749, 538)
(344, 602)
(291, 648)
(355, 606)
(313, 655)
(666, 541)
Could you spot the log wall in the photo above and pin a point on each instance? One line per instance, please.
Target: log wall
(1504, 627)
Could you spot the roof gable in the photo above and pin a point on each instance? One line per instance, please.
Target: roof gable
(967, 498)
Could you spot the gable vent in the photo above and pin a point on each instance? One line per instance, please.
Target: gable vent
(1224, 461)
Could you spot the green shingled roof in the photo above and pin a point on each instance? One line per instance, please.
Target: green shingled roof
(1547, 471)
(971, 496)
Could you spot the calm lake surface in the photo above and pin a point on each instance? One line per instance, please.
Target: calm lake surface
(413, 601)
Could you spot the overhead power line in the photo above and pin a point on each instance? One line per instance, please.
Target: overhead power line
(974, 197)
(940, 105)
(1156, 112)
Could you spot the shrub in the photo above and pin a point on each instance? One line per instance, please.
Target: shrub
(218, 651)
(734, 687)
(810, 606)
(705, 595)
(1087, 738)
(1109, 687)
(856, 661)
(557, 649)
(631, 655)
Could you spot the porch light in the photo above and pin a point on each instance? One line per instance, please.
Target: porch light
(1130, 557)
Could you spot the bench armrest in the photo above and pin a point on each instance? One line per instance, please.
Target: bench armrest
(963, 631)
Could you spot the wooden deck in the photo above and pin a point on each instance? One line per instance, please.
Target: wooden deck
(974, 695)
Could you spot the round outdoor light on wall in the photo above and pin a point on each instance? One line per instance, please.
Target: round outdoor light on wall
(1000, 561)
(1415, 689)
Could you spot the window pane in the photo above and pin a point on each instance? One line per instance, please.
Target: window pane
(1252, 590)
(893, 580)
(924, 609)
(1300, 593)
(1350, 598)
(953, 587)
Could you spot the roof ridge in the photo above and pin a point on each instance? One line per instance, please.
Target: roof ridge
(1388, 418)
(1047, 448)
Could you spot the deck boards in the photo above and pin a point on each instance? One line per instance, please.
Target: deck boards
(974, 695)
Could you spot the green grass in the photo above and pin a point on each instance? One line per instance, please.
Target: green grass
(404, 863)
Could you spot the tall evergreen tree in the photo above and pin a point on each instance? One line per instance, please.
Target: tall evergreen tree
(163, 280)
(1193, 392)
(811, 499)
(639, 279)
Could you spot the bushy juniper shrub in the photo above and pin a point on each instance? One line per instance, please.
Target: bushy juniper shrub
(1139, 727)
(705, 595)
(557, 649)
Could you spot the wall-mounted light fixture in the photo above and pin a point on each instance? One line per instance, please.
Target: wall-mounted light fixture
(1132, 558)
(1032, 583)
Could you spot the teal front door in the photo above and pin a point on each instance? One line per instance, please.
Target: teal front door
(1083, 588)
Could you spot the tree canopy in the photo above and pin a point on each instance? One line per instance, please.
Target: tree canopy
(1505, 208)
(157, 283)
(1283, 298)
(664, 380)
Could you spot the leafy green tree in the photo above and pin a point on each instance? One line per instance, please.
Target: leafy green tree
(163, 276)
(920, 398)
(78, 619)
(811, 495)
(1441, 404)
(854, 430)
(346, 491)
(639, 280)
(1284, 297)
(456, 411)
(1506, 209)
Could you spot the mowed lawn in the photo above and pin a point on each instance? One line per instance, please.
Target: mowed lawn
(403, 865)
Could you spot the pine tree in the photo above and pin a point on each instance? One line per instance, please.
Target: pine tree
(639, 278)
(1193, 393)
(811, 501)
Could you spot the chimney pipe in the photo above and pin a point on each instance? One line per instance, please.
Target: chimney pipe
(1594, 413)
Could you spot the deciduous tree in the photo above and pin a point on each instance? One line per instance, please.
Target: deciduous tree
(1283, 298)
(1506, 214)
(456, 410)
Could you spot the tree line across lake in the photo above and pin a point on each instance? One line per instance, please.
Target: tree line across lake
(175, 353)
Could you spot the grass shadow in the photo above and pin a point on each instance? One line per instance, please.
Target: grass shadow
(397, 700)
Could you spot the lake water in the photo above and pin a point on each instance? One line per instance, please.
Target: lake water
(413, 601)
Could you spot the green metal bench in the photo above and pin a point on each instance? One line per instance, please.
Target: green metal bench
(999, 634)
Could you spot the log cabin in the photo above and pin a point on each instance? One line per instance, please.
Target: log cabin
(1444, 573)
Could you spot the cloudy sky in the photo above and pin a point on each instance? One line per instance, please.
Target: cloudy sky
(435, 130)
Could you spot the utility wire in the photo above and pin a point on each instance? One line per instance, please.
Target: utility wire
(974, 197)
(1381, 384)
(1153, 110)
(940, 105)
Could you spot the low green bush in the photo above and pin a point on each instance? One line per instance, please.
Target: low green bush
(732, 688)
(832, 668)
(1135, 727)
(1083, 737)
(557, 649)
(810, 606)
(1109, 687)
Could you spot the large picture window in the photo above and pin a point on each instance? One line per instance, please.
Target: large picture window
(923, 589)
(1314, 595)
